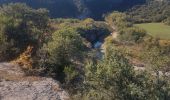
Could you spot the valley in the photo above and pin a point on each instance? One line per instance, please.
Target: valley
(85, 50)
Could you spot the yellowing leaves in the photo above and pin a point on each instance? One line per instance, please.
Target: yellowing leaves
(25, 60)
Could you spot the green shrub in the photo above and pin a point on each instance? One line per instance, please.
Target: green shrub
(119, 20)
(70, 74)
(132, 34)
(167, 21)
(114, 78)
(65, 48)
(21, 26)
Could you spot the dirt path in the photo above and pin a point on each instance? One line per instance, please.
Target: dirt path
(114, 35)
(114, 32)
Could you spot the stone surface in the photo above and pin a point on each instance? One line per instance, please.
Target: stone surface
(47, 89)
(11, 69)
(21, 87)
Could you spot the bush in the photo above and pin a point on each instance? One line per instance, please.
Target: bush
(132, 34)
(115, 78)
(21, 26)
(120, 20)
(65, 49)
(70, 74)
(123, 24)
(167, 21)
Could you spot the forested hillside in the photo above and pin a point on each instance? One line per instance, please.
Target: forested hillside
(79, 8)
(154, 11)
(124, 56)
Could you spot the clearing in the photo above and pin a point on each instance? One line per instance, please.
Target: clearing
(158, 30)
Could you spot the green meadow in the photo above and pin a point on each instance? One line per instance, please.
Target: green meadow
(159, 30)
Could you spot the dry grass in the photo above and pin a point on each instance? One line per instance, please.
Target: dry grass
(164, 42)
(25, 60)
(11, 77)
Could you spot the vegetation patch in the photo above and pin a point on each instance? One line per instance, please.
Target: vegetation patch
(158, 30)
(132, 66)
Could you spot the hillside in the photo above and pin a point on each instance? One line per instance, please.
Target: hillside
(121, 53)
(79, 8)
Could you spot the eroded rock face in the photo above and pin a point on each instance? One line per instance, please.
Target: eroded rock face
(16, 86)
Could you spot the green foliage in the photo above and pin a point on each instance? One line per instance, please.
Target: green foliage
(70, 73)
(153, 11)
(158, 58)
(132, 34)
(22, 26)
(62, 53)
(4, 44)
(79, 8)
(167, 21)
(127, 32)
(65, 48)
(62, 20)
(88, 21)
(3, 22)
(114, 78)
(65, 44)
(120, 20)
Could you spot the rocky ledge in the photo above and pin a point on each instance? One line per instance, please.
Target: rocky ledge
(15, 86)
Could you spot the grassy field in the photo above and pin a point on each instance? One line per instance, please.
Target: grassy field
(156, 29)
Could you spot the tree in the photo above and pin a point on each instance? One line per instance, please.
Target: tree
(132, 34)
(4, 44)
(120, 20)
(152, 11)
(64, 50)
(114, 78)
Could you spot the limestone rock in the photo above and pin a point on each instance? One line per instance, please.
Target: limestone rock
(20, 87)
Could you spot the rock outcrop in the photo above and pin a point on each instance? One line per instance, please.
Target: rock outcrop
(14, 85)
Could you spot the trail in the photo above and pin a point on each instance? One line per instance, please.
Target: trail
(114, 32)
(114, 35)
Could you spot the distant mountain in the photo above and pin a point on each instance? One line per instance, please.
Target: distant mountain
(79, 8)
